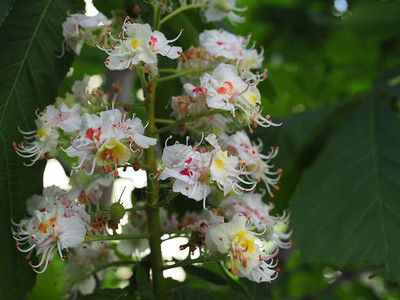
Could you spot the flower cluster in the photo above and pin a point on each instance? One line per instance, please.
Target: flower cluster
(57, 221)
(101, 142)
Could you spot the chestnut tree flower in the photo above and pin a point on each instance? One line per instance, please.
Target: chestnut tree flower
(59, 222)
(139, 45)
(108, 140)
(219, 9)
(272, 229)
(78, 29)
(251, 155)
(245, 257)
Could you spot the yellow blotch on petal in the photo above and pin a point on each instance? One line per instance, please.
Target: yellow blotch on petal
(41, 133)
(218, 163)
(244, 242)
(113, 152)
(134, 43)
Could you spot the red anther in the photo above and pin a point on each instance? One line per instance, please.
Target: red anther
(236, 112)
(42, 156)
(276, 260)
(117, 160)
(244, 191)
(120, 37)
(254, 152)
(110, 168)
(106, 62)
(112, 47)
(277, 270)
(181, 29)
(256, 179)
(121, 60)
(179, 52)
(17, 245)
(63, 257)
(271, 195)
(33, 227)
(232, 270)
(276, 187)
(280, 170)
(221, 239)
(251, 130)
(30, 262)
(261, 259)
(53, 225)
(115, 173)
(187, 188)
(102, 44)
(15, 148)
(245, 263)
(105, 169)
(79, 137)
(107, 59)
(291, 244)
(291, 228)
(255, 125)
(244, 164)
(262, 107)
(58, 144)
(83, 167)
(14, 144)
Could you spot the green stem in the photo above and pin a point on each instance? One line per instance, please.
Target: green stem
(167, 70)
(211, 258)
(177, 75)
(116, 237)
(188, 119)
(181, 9)
(165, 121)
(157, 16)
(152, 195)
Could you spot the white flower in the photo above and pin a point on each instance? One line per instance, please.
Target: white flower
(221, 43)
(59, 223)
(273, 229)
(190, 170)
(227, 91)
(225, 170)
(107, 140)
(77, 28)
(139, 45)
(220, 9)
(251, 155)
(246, 258)
(45, 138)
(251, 59)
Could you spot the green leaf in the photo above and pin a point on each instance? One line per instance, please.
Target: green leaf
(185, 293)
(30, 74)
(5, 7)
(107, 294)
(205, 274)
(347, 209)
(300, 139)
